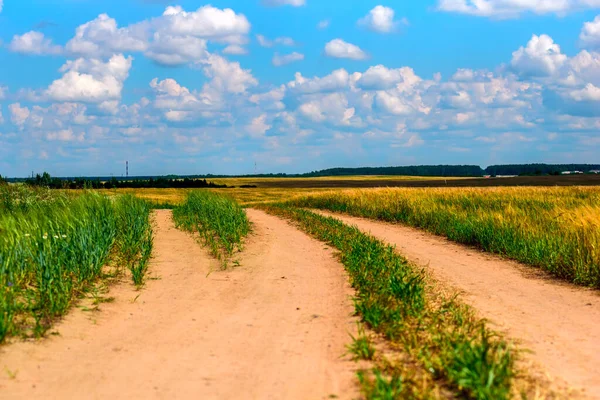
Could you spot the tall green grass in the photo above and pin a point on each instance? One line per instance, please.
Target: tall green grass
(454, 349)
(53, 247)
(555, 229)
(221, 222)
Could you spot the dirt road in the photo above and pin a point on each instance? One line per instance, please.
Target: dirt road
(559, 322)
(274, 328)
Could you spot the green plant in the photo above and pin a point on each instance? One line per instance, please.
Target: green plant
(220, 221)
(54, 247)
(450, 346)
(362, 347)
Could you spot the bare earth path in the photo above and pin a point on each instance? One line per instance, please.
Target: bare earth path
(559, 322)
(274, 328)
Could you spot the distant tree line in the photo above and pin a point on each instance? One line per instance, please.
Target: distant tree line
(417, 170)
(3, 181)
(538, 169)
(45, 180)
(458, 170)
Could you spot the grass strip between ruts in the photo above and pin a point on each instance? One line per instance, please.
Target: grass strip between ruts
(452, 352)
(221, 222)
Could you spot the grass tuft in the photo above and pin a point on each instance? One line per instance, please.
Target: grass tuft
(221, 222)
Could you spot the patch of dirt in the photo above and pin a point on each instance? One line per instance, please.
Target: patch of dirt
(274, 328)
(558, 322)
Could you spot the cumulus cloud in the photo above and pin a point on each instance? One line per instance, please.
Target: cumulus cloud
(235, 49)
(284, 41)
(258, 126)
(18, 114)
(1, 4)
(338, 48)
(514, 8)
(541, 57)
(278, 3)
(228, 76)
(207, 22)
(379, 77)
(65, 135)
(590, 34)
(91, 80)
(324, 24)
(176, 50)
(176, 37)
(335, 81)
(102, 36)
(380, 19)
(280, 60)
(34, 43)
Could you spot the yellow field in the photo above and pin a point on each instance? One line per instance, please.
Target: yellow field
(556, 229)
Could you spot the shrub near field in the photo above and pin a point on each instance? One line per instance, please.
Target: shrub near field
(556, 229)
(220, 221)
(54, 247)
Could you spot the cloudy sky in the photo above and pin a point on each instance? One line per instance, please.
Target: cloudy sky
(295, 85)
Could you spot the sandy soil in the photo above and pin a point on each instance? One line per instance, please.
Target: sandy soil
(558, 322)
(274, 328)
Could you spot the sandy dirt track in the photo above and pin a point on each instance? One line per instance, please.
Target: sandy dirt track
(274, 328)
(558, 322)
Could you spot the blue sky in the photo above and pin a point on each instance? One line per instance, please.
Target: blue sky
(191, 87)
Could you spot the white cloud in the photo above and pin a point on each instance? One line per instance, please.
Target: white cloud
(380, 19)
(271, 100)
(541, 57)
(277, 3)
(588, 93)
(65, 135)
(171, 50)
(331, 108)
(324, 24)
(284, 41)
(337, 80)
(590, 34)
(379, 77)
(102, 36)
(514, 8)
(1, 4)
(338, 48)
(176, 37)
(177, 116)
(18, 114)
(259, 126)
(280, 60)
(235, 49)
(207, 22)
(91, 80)
(227, 76)
(34, 43)
(396, 105)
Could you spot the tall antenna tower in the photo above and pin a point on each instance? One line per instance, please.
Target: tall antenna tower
(127, 169)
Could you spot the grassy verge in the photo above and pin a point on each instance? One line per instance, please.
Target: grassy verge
(450, 350)
(555, 229)
(221, 222)
(54, 247)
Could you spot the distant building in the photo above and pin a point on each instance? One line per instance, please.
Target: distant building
(595, 171)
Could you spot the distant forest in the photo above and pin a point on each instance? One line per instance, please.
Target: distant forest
(459, 170)
(46, 180)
